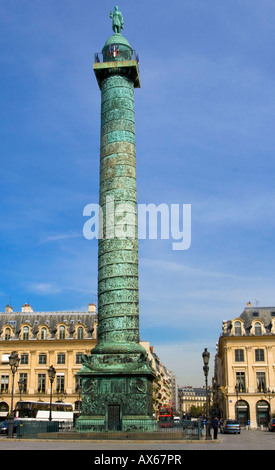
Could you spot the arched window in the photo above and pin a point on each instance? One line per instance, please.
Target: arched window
(7, 333)
(80, 332)
(26, 332)
(237, 328)
(62, 332)
(43, 334)
(258, 329)
(263, 413)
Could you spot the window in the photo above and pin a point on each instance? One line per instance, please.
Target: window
(237, 328)
(42, 359)
(60, 358)
(43, 334)
(240, 381)
(239, 355)
(7, 334)
(41, 383)
(60, 384)
(23, 379)
(62, 332)
(258, 329)
(24, 358)
(261, 382)
(78, 384)
(259, 355)
(78, 358)
(80, 333)
(26, 332)
(4, 383)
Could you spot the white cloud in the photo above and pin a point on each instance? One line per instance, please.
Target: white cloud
(44, 288)
(61, 236)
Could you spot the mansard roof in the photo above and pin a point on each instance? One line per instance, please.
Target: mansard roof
(50, 319)
(264, 315)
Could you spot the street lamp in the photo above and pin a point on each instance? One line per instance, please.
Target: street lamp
(206, 357)
(237, 390)
(14, 361)
(79, 390)
(269, 394)
(51, 374)
(21, 386)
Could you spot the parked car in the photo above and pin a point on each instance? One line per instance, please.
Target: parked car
(271, 425)
(230, 426)
(4, 426)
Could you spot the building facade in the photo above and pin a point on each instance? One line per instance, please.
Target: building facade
(164, 385)
(244, 380)
(190, 396)
(42, 339)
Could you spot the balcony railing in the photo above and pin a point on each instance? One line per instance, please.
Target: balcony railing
(114, 55)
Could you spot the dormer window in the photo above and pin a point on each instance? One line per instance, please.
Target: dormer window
(80, 333)
(237, 328)
(7, 334)
(62, 332)
(26, 332)
(258, 329)
(43, 333)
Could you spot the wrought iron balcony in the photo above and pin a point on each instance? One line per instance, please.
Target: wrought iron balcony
(114, 55)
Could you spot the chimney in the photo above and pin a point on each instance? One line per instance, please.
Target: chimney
(26, 308)
(8, 309)
(92, 308)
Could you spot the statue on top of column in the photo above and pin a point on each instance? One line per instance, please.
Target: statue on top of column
(118, 21)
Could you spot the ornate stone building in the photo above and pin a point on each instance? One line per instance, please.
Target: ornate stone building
(164, 385)
(42, 339)
(244, 381)
(190, 396)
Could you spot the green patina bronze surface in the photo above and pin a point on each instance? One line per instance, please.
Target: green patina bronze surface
(117, 375)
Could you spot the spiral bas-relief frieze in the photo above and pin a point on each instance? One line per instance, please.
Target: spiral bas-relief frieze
(121, 308)
(121, 89)
(125, 322)
(117, 183)
(118, 290)
(118, 269)
(115, 169)
(118, 125)
(116, 296)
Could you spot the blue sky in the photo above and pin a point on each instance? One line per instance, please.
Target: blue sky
(204, 135)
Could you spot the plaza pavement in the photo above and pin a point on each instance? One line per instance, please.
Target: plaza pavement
(247, 440)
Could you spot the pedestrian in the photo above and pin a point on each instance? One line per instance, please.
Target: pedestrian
(215, 426)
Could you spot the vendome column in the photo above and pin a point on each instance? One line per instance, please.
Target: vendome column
(117, 376)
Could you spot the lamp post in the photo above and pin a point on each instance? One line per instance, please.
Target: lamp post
(269, 394)
(51, 374)
(206, 357)
(14, 361)
(237, 390)
(21, 385)
(79, 390)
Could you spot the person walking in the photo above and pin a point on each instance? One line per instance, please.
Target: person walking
(215, 426)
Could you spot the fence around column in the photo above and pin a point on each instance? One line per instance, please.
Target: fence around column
(185, 430)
